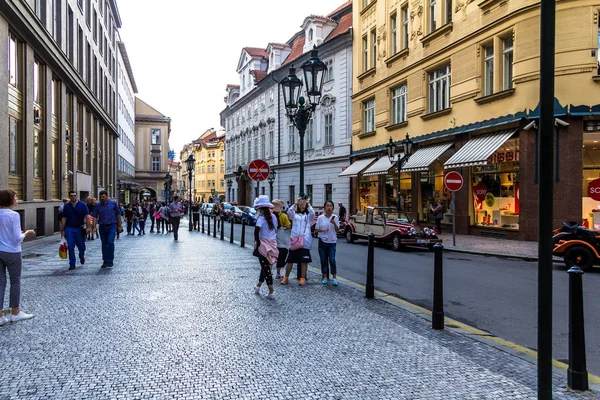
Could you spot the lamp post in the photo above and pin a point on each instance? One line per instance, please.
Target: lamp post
(190, 168)
(168, 182)
(229, 184)
(407, 145)
(271, 180)
(297, 112)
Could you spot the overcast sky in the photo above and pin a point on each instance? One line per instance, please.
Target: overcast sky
(184, 52)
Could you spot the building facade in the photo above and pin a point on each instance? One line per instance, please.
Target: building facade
(257, 127)
(209, 168)
(463, 80)
(126, 90)
(152, 131)
(59, 103)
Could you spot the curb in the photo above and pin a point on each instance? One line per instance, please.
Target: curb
(499, 255)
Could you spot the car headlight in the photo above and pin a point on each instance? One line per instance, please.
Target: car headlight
(427, 231)
(413, 231)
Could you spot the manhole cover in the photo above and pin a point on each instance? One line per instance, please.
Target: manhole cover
(32, 255)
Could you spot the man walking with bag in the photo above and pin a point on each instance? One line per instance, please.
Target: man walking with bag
(108, 214)
(175, 211)
(74, 225)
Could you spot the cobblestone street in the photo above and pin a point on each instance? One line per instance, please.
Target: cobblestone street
(181, 320)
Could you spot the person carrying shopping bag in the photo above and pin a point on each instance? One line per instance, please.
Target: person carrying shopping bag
(301, 214)
(265, 244)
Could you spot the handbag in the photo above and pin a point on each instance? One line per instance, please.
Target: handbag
(62, 248)
(297, 242)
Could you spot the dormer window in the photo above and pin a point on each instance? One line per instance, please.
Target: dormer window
(310, 35)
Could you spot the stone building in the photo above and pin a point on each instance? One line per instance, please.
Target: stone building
(462, 79)
(59, 103)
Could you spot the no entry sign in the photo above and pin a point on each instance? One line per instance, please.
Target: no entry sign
(453, 181)
(259, 170)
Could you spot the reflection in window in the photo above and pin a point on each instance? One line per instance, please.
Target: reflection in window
(155, 136)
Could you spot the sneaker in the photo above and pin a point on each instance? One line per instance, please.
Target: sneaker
(284, 280)
(82, 261)
(270, 296)
(109, 265)
(3, 320)
(335, 282)
(302, 281)
(21, 316)
(257, 289)
(71, 267)
(324, 281)
(278, 276)
(105, 265)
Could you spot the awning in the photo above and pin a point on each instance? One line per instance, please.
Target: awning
(425, 156)
(356, 167)
(381, 167)
(478, 149)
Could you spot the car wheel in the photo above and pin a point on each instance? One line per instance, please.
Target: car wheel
(396, 245)
(349, 236)
(579, 256)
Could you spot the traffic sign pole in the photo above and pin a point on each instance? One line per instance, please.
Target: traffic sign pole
(453, 182)
(454, 219)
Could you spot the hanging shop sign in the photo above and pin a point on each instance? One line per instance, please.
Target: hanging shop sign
(594, 189)
(480, 190)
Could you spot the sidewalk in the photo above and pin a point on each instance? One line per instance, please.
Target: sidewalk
(491, 246)
(181, 320)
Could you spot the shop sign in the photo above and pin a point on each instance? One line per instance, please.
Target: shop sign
(504, 155)
(594, 189)
(480, 190)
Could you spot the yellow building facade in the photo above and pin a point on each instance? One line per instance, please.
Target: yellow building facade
(209, 168)
(462, 79)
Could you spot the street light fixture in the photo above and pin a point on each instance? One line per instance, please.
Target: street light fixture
(407, 147)
(168, 182)
(299, 114)
(190, 168)
(271, 179)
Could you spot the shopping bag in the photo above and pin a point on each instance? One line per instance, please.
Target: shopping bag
(63, 248)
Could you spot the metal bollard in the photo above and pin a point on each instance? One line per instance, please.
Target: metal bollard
(222, 228)
(437, 315)
(208, 229)
(202, 223)
(215, 227)
(370, 286)
(243, 240)
(231, 233)
(577, 376)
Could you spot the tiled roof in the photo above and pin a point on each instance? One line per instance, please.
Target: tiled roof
(278, 44)
(313, 16)
(346, 4)
(297, 49)
(259, 75)
(344, 25)
(256, 52)
(231, 85)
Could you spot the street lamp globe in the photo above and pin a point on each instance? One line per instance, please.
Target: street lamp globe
(190, 162)
(407, 146)
(272, 176)
(391, 149)
(314, 75)
(292, 87)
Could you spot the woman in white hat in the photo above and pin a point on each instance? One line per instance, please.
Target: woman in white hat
(265, 244)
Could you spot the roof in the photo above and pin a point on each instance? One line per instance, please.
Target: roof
(127, 63)
(259, 75)
(346, 4)
(256, 52)
(231, 85)
(297, 51)
(344, 25)
(313, 16)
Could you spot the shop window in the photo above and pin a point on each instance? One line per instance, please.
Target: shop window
(591, 172)
(439, 89)
(368, 192)
(398, 190)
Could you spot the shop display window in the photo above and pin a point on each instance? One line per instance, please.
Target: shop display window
(591, 177)
(391, 190)
(432, 191)
(368, 192)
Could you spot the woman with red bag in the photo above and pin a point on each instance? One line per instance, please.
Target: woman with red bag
(301, 216)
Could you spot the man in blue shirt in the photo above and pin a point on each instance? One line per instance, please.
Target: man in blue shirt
(74, 223)
(108, 214)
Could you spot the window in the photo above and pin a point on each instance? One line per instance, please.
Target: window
(439, 89)
(369, 116)
(15, 153)
(393, 34)
(328, 192)
(155, 136)
(448, 15)
(310, 135)
(432, 15)
(38, 152)
(405, 18)
(291, 138)
(88, 12)
(329, 70)
(292, 194)
(271, 143)
(374, 48)
(366, 3)
(310, 35)
(38, 85)
(507, 62)
(328, 118)
(271, 98)
(249, 151)
(80, 52)
(14, 61)
(255, 148)
(488, 70)
(263, 154)
(80, 4)
(40, 10)
(243, 82)
(365, 54)
(309, 191)
(243, 153)
(399, 104)
(155, 164)
(70, 35)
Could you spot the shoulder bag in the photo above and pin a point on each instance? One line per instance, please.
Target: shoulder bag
(297, 242)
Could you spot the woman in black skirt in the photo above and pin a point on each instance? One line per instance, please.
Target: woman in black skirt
(301, 216)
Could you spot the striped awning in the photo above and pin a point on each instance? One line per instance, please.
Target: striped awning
(425, 156)
(356, 167)
(478, 149)
(382, 166)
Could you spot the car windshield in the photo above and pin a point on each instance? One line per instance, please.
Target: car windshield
(227, 206)
(251, 210)
(399, 216)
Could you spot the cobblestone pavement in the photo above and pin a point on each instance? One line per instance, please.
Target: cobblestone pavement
(491, 246)
(181, 320)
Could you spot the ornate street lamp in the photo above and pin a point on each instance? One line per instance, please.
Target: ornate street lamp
(229, 184)
(297, 112)
(407, 146)
(271, 180)
(190, 168)
(168, 182)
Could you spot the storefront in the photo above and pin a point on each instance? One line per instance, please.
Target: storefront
(590, 206)
(364, 190)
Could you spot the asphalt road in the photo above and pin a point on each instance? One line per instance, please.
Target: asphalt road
(493, 294)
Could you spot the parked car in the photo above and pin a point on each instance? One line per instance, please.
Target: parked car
(577, 245)
(207, 208)
(389, 226)
(236, 214)
(319, 211)
(249, 216)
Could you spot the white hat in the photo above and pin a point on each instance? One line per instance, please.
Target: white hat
(262, 202)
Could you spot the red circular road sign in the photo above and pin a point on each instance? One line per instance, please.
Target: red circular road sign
(258, 170)
(594, 189)
(453, 181)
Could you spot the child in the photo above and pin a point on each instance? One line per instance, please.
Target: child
(265, 244)
(142, 222)
(283, 235)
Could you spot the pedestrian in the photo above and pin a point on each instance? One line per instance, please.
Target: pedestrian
(60, 209)
(175, 210)
(327, 226)
(438, 214)
(142, 223)
(129, 219)
(151, 211)
(301, 215)
(90, 206)
(342, 211)
(265, 243)
(158, 216)
(283, 235)
(10, 256)
(196, 216)
(74, 226)
(109, 222)
(136, 217)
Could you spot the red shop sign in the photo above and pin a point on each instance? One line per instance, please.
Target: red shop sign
(501, 156)
(480, 190)
(594, 189)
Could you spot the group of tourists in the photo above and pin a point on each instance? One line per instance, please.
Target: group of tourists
(285, 238)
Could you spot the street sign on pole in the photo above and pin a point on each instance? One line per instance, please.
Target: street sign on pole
(258, 170)
(453, 182)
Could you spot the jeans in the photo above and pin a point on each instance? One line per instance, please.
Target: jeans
(152, 226)
(74, 238)
(12, 263)
(136, 226)
(175, 223)
(327, 255)
(107, 235)
(142, 227)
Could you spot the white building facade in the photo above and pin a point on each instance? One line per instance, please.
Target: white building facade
(257, 127)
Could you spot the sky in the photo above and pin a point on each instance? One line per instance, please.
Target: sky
(184, 52)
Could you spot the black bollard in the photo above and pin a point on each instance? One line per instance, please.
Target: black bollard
(222, 228)
(243, 240)
(202, 223)
(231, 233)
(215, 227)
(370, 287)
(577, 376)
(437, 315)
(208, 223)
